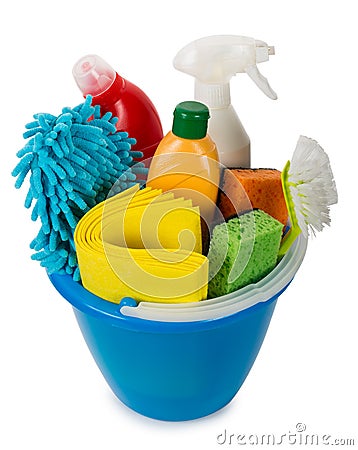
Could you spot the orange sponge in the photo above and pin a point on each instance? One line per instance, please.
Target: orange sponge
(261, 186)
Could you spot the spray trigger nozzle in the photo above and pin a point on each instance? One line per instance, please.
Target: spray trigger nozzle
(257, 77)
(213, 60)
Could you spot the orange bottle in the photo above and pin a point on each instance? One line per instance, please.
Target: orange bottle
(186, 161)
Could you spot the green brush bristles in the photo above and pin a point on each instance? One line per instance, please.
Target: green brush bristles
(73, 161)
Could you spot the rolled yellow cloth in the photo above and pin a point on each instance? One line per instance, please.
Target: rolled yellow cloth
(144, 244)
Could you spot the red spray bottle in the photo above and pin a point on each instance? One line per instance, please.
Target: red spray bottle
(136, 113)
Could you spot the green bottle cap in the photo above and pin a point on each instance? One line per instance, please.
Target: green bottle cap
(190, 120)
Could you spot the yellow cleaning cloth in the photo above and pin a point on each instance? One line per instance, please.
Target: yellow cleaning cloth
(144, 244)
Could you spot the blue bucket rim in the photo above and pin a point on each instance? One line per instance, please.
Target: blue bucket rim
(89, 304)
(185, 316)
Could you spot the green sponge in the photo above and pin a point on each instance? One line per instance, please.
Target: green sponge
(242, 251)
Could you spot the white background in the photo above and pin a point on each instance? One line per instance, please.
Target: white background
(52, 394)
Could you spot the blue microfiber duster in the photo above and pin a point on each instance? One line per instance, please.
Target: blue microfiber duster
(74, 160)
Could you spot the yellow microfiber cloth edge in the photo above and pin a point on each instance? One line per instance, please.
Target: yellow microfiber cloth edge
(143, 244)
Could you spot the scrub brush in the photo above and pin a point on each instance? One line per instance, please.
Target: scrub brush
(309, 190)
(73, 160)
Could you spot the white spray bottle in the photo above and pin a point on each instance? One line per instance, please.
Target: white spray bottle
(213, 60)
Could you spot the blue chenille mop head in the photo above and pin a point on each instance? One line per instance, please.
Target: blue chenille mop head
(73, 160)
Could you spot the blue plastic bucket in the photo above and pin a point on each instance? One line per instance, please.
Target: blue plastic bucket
(191, 364)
